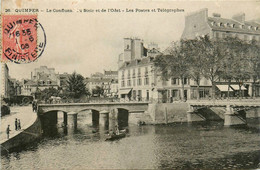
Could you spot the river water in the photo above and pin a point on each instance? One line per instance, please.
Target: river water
(207, 145)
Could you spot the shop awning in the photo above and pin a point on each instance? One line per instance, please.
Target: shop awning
(125, 91)
(236, 87)
(223, 88)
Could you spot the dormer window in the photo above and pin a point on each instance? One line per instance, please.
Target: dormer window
(225, 25)
(212, 23)
(242, 26)
(250, 27)
(256, 28)
(221, 24)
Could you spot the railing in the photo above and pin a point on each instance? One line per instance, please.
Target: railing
(142, 100)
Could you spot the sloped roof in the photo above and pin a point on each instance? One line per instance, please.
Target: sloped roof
(110, 72)
(233, 25)
(30, 83)
(133, 63)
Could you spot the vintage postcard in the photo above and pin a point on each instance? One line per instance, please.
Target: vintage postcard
(89, 84)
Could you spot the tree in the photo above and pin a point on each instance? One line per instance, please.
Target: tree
(175, 64)
(235, 64)
(212, 58)
(76, 86)
(45, 94)
(253, 56)
(99, 91)
(197, 49)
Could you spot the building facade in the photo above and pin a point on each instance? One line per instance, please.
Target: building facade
(139, 80)
(63, 80)
(10, 87)
(5, 78)
(41, 78)
(199, 24)
(108, 82)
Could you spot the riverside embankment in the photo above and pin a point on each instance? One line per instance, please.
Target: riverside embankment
(30, 128)
(163, 113)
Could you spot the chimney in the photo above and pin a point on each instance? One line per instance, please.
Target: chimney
(239, 17)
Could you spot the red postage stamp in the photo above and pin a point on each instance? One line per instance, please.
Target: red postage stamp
(20, 38)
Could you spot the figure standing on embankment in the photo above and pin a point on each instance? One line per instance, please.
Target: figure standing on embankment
(8, 131)
(16, 124)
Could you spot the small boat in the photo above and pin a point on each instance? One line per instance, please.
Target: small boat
(115, 137)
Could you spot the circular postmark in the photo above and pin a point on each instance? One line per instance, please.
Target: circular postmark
(23, 40)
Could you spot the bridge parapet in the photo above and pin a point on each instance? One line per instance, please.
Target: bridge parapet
(77, 107)
(232, 108)
(243, 103)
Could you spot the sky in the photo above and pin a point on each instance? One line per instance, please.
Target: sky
(91, 42)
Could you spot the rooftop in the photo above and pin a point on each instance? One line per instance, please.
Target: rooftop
(223, 24)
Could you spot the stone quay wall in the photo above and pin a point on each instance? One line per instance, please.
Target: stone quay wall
(25, 137)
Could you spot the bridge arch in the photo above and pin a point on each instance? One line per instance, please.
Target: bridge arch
(95, 115)
(122, 117)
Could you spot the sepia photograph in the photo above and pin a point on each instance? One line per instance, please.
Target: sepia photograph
(120, 84)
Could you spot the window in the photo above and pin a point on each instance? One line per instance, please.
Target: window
(134, 94)
(174, 93)
(146, 81)
(123, 74)
(128, 73)
(133, 82)
(139, 72)
(185, 81)
(123, 83)
(128, 82)
(139, 82)
(139, 94)
(133, 73)
(146, 70)
(174, 81)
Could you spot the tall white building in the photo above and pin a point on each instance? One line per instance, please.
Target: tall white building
(139, 80)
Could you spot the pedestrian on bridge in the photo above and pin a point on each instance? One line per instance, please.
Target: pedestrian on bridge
(8, 131)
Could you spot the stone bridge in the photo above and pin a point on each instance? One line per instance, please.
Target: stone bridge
(105, 110)
(77, 107)
(233, 109)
